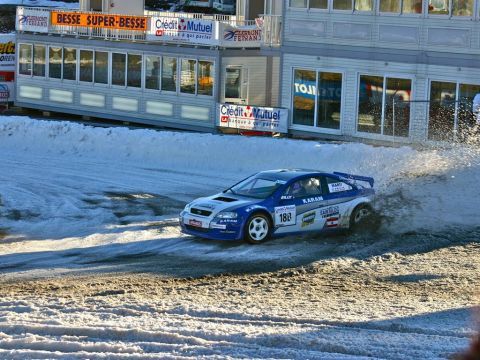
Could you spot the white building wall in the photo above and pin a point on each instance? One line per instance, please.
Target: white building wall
(405, 32)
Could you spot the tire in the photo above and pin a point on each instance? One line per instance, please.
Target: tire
(258, 228)
(363, 219)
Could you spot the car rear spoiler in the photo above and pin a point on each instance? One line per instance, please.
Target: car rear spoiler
(356, 177)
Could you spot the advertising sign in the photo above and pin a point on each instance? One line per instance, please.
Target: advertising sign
(7, 52)
(34, 20)
(242, 36)
(182, 30)
(256, 118)
(118, 22)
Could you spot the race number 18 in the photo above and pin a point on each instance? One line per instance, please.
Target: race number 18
(285, 215)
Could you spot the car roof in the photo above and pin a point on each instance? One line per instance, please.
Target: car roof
(288, 174)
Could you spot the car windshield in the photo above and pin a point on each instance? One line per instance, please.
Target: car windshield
(256, 187)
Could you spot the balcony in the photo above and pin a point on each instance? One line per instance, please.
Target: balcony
(222, 31)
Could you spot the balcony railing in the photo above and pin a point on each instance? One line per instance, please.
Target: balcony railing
(164, 27)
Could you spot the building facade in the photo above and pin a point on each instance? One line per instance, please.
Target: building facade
(389, 70)
(402, 70)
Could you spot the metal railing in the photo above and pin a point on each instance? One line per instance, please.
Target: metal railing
(271, 27)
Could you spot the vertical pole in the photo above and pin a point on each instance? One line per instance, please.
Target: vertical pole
(393, 119)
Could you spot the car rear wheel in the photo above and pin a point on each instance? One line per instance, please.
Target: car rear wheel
(362, 218)
(257, 228)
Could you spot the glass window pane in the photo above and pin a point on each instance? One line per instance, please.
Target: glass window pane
(187, 81)
(134, 71)
(391, 6)
(86, 65)
(319, 4)
(101, 67)
(400, 90)
(363, 5)
(119, 62)
(467, 114)
(329, 100)
(304, 90)
(25, 61)
(442, 110)
(412, 6)
(233, 83)
(39, 54)
(205, 78)
(298, 3)
(462, 7)
(152, 72)
(370, 104)
(439, 7)
(342, 4)
(169, 74)
(70, 64)
(55, 62)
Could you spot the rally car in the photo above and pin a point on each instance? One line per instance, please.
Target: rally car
(281, 202)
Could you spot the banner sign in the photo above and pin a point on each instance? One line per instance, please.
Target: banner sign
(182, 30)
(7, 52)
(118, 22)
(33, 20)
(253, 118)
(242, 36)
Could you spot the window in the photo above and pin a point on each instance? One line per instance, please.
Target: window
(233, 83)
(69, 64)
(205, 78)
(328, 98)
(342, 4)
(86, 65)
(39, 53)
(311, 4)
(319, 4)
(335, 186)
(55, 62)
(363, 5)
(25, 59)
(304, 97)
(255, 187)
(101, 67)
(442, 110)
(401, 6)
(305, 187)
(134, 71)
(188, 76)
(451, 7)
(169, 74)
(383, 105)
(119, 63)
(152, 72)
(451, 110)
(298, 4)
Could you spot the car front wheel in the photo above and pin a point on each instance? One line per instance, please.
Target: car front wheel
(257, 229)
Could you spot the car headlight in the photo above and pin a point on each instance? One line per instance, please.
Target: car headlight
(227, 215)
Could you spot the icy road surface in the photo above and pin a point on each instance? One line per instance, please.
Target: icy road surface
(92, 263)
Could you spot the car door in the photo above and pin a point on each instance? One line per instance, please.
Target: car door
(338, 197)
(298, 206)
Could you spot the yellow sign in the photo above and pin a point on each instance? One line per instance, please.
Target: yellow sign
(119, 22)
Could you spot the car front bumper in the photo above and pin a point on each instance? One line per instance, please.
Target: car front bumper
(206, 228)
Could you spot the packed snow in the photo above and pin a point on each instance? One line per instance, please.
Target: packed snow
(93, 264)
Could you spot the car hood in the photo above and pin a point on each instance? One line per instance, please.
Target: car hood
(222, 202)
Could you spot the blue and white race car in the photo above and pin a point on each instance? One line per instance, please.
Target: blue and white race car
(280, 202)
